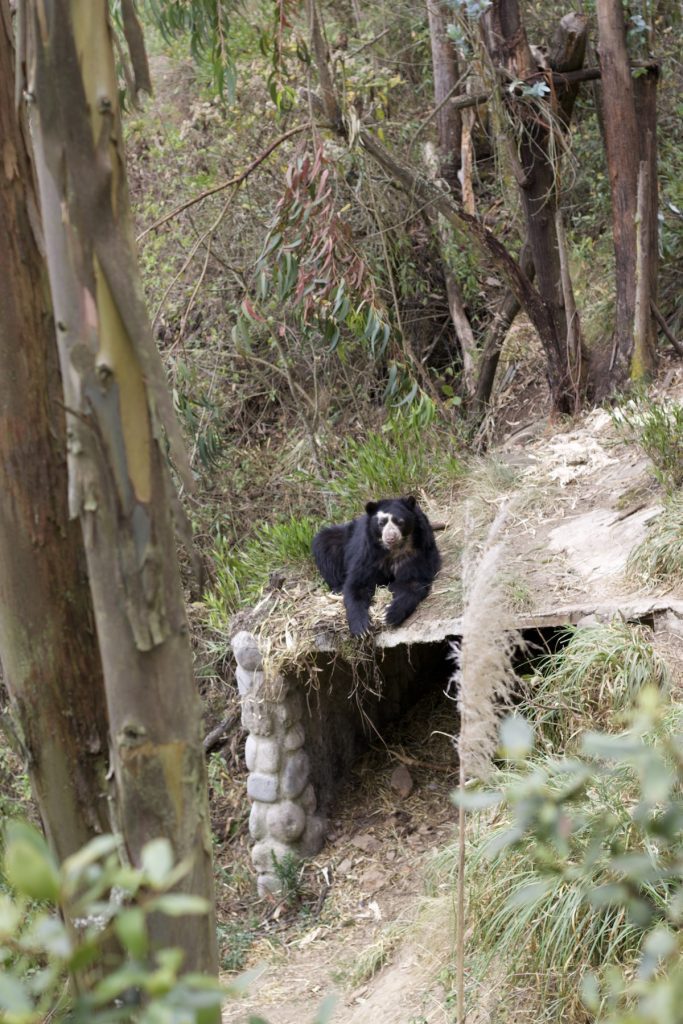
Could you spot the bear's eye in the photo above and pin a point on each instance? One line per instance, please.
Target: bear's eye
(400, 522)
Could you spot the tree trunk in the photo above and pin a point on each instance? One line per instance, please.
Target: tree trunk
(624, 130)
(490, 354)
(49, 651)
(537, 169)
(645, 91)
(445, 67)
(119, 486)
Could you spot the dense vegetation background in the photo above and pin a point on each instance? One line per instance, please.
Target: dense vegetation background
(338, 314)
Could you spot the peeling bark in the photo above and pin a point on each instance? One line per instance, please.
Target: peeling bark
(49, 650)
(629, 138)
(446, 74)
(118, 410)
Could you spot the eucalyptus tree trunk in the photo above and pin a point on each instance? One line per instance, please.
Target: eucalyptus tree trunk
(119, 416)
(630, 136)
(534, 151)
(47, 633)
(446, 74)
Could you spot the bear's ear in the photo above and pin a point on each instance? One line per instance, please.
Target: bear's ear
(371, 508)
(409, 501)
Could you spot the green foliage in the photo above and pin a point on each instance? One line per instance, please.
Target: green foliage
(207, 26)
(596, 674)
(109, 951)
(288, 873)
(657, 427)
(658, 559)
(310, 268)
(241, 573)
(402, 459)
(579, 891)
(235, 939)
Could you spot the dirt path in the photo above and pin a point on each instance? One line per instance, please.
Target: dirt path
(381, 842)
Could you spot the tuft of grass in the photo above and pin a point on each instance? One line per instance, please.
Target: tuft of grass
(373, 958)
(593, 678)
(399, 460)
(658, 560)
(235, 939)
(657, 427)
(242, 573)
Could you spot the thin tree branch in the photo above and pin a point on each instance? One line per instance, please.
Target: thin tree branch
(665, 329)
(237, 180)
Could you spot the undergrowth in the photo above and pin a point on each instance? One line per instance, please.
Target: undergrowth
(594, 677)
(567, 882)
(658, 559)
(657, 427)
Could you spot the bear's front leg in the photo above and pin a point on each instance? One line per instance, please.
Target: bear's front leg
(357, 598)
(407, 596)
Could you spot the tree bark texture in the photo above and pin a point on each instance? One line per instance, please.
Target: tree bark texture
(645, 92)
(118, 410)
(503, 317)
(446, 74)
(629, 137)
(535, 131)
(48, 646)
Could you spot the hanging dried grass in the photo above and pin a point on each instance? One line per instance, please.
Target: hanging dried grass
(484, 676)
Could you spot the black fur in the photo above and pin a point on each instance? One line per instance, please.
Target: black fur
(353, 559)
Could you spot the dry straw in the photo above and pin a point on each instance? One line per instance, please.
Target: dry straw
(484, 681)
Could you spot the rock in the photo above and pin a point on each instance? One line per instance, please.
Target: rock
(286, 821)
(373, 879)
(262, 787)
(366, 843)
(314, 835)
(245, 649)
(401, 781)
(258, 819)
(294, 737)
(262, 754)
(248, 682)
(268, 885)
(291, 710)
(263, 852)
(257, 716)
(308, 799)
(295, 774)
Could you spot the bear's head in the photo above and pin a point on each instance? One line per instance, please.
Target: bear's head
(392, 521)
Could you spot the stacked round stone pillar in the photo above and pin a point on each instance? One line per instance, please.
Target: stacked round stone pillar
(283, 819)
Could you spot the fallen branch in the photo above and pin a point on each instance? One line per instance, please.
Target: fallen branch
(666, 330)
(219, 736)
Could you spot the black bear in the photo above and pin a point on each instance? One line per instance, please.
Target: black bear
(391, 545)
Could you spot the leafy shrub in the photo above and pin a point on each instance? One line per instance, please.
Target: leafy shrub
(656, 426)
(578, 894)
(106, 946)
